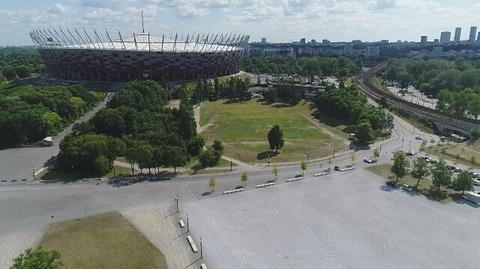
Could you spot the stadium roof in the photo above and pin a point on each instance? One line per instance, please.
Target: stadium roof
(67, 39)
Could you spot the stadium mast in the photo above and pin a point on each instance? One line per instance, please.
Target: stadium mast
(143, 29)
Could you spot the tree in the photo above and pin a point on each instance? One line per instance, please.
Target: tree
(420, 170)
(244, 178)
(463, 182)
(475, 133)
(441, 175)
(208, 158)
(37, 259)
(376, 153)
(173, 156)
(195, 145)
(275, 138)
(102, 165)
(303, 167)
(275, 172)
(364, 133)
(212, 183)
(400, 165)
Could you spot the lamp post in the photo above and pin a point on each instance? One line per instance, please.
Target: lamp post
(188, 225)
(201, 248)
(176, 204)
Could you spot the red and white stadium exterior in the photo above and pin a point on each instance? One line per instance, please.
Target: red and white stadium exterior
(73, 55)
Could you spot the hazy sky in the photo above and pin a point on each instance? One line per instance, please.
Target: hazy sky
(278, 20)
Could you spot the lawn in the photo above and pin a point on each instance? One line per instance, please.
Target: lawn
(425, 186)
(106, 241)
(243, 127)
(461, 153)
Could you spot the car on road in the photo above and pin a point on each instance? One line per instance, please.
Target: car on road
(367, 160)
(418, 138)
(476, 182)
(299, 175)
(336, 168)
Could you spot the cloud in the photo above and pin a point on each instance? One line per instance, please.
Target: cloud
(58, 9)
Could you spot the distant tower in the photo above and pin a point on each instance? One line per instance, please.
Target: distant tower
(458, 34)
(473, 33)
(143, 28)
(445, 37)
(423, 39)
(478, 37)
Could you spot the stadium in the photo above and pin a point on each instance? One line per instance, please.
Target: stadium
(76, 55)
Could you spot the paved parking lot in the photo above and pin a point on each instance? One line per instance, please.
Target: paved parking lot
(348, 220)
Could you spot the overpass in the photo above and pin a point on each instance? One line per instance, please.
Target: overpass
(446, 124)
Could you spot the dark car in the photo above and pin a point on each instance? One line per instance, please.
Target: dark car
(336, 168)
(391, 184)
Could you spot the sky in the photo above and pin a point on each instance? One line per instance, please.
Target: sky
(277, 20)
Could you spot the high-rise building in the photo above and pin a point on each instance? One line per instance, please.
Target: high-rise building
(423, 39)
(458, 34)
(264, 40)
(445, 37)
(473, 33)
(478, 37)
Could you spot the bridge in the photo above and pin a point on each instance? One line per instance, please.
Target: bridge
(446, 124)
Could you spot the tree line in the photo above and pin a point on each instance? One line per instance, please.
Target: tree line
(351, 104)
(233, 88)
(456, 83)
(138, 125)
(441, 175)
(30, 113)
(305, 66)
(19, 62)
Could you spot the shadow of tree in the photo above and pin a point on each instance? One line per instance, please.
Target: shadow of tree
(266, 154)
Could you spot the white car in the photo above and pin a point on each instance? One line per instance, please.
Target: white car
(367, 160)
(476, 182)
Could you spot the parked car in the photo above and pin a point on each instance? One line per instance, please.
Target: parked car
(407, 187)
(391, 184)
(418, 138)
(367, 160)
(476, 182)
(336, 168)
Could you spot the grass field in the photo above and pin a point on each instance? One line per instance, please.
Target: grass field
(106, 241)
(461, 153)
(425, 186)
(243, 127)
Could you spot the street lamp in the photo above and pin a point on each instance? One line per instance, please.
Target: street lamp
(201, 248)
(176, 202)
(188, 225)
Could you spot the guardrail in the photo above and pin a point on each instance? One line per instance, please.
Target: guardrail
(265, 185)
(294, 179)
(233, 191)
(192, 244)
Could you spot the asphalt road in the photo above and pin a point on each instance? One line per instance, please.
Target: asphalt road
(22, 163)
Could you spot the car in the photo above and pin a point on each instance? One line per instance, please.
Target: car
(457, 169)
(418, 138)
(336, 168)
(391, 184)
(3, 180)
(407, 187)
(367, 160)
(476, 182)
(299, 175)
(475, 174)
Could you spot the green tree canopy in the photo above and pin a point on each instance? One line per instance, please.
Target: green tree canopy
(37, 259)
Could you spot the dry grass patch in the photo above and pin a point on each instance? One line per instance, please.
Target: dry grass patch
(106, 241)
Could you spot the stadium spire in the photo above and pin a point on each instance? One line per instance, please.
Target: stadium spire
(143, 29)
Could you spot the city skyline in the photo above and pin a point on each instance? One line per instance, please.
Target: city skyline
(281, 21)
